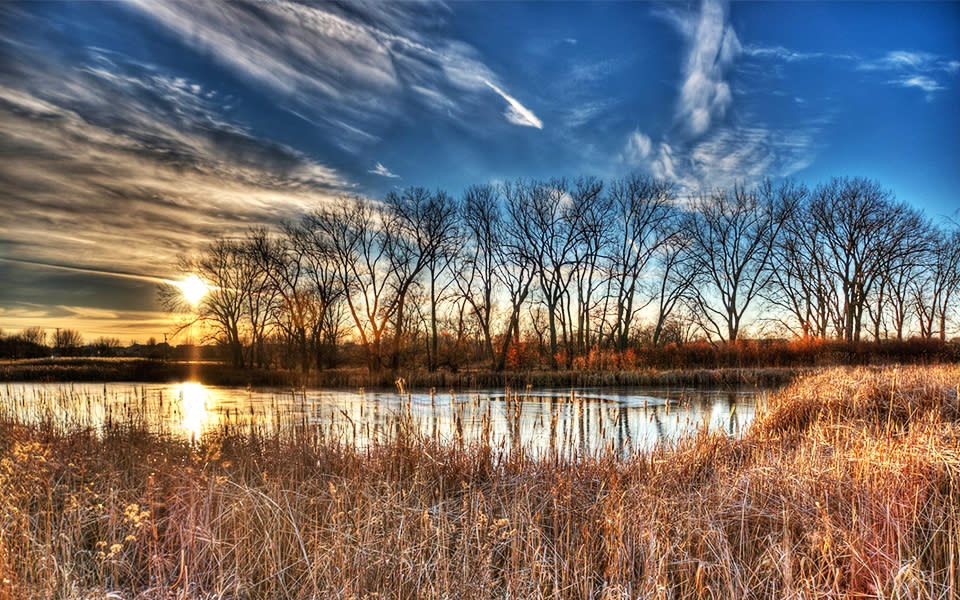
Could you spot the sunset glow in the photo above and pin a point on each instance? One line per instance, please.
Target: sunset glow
(193, 288)
(194, 407)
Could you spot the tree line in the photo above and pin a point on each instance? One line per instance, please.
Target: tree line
(559, 268)
(36, 342)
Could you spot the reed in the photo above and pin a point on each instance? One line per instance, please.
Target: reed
(845, 486)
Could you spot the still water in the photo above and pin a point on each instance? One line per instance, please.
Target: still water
(582, 420)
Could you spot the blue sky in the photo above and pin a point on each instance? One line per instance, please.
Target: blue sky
(132, 132)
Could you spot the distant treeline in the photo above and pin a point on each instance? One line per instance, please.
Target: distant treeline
(553, 272)
(35, 342)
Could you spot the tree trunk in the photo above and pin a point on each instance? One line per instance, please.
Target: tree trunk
(552, 320)
(433, 357)
(501, 361)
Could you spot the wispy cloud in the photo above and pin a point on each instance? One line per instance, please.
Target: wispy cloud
(749, 154)
(587, 106)
(579, 115)
(732, 155)
(517, 113)
(910, 69)
(705, 94)
(637, 148)
(787, 55)
(906, 60)
(707, 147)
(663, 165)
(587, 72)
(927, 84)
(381, 170)
(113, 165)
(902, 68)
(354, 64)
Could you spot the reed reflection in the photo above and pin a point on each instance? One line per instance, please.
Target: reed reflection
(543, 423)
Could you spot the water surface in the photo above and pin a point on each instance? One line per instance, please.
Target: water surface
(544, 420)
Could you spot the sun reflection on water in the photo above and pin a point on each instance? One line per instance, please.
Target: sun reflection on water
(195, 403)
(628, 419)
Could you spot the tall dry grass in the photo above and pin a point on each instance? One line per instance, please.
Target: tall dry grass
(846, 486)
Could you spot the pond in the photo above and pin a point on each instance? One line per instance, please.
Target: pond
(541, 421)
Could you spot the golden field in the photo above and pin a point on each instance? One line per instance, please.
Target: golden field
(846, 485)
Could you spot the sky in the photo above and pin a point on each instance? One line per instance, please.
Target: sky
(132, 133)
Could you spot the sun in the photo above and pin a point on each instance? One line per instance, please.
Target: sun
(193, 288)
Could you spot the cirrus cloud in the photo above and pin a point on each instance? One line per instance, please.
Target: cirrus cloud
(348, 67)
(382, 171)
(706, 148)
(517, 113)
(705, 94)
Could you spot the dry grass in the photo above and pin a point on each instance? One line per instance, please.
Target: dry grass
(847, 486)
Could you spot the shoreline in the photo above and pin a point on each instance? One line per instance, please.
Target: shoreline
(137, 370)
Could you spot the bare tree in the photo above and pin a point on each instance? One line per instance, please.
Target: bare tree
(803, 292)
(284, 260)
(547, 227)
(891, 304)
(675, 277)
(477, 265)
(262, 301)
(864, 230)
(495, 264)
(578, 262)
(359, 237)
(326, 288)
(422, 225)
(34, 335)
(106, 345)
(67, 341)
(436, 235)
(936, 288)
(732, 237)
(644, 222)
(588, 258)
